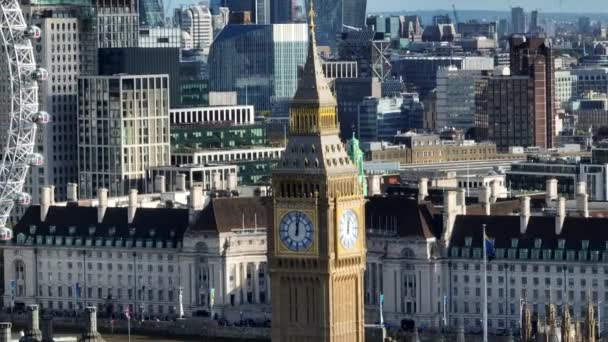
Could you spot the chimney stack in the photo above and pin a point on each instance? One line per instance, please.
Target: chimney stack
(91, 333)
(32, 332)
(582, 204)
(102, 196)
(560, 215)
(484, 199)
(462, 202)
(450, 210)
(5, 331)
(72, 194)
(524, 214)
(551, 192)
(423, 189)
(52, 187)
(159, 184)
(581, 187)
(495, 191)
(180, 182)
(373, 185)
(132, 205)
(232, 181)
(47, 328)
(196, 202)
(45, 203)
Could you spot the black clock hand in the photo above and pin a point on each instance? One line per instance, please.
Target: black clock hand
(297, 227)
(348, 228)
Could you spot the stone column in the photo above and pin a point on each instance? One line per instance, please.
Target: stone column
(90, 333)
(47, 328)
(238, 288)
(32, 332)
(256, 282)
(5, 331)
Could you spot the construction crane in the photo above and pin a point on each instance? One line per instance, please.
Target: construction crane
(23, 117)
(456, 20)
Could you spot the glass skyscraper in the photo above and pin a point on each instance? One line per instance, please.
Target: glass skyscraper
(259, 62)
(151, 13)
(335, 16)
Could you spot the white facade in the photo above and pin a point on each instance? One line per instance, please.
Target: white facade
(123, 129)
(237, 115)
(229, 155)
(566, 87)
(197, 21)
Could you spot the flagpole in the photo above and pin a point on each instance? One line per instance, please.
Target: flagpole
(485, 286)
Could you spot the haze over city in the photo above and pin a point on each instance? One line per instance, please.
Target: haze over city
(572, 6)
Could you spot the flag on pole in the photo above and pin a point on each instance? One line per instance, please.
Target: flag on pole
(489, 246)
(127, 312)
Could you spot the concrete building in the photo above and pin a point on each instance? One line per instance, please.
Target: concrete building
(566, 87)
(591, 79)
(163, 37)
(227, 155)
(63, 51)
(197, 21)
(123, 129)
(210, 177)
(117, 23)
(474, 28)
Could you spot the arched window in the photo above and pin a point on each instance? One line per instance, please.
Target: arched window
(408, 253)
(201, 247)
(19, 278)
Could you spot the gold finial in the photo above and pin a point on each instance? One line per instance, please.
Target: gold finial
(311, 15)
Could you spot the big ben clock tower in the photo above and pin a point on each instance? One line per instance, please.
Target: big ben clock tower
(316, 244)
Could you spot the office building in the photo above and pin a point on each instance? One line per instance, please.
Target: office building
(591, 112)
(197, 21)
(420, 72)
(382, 118)
(62, 50)
(210, 177)
(258, 62)
(117, 23)
(533, 57)
(584, 25)
(566, 87)
(217, 136)
(534, 27)
(350, 93)
(509, 109)
(164, 37)
(369, 49)
(474, 28)
(282, 11)
(456, 98)
(151, 13)
(518, 20)
(262, 12)
(411, 28)
(336, 16)
(590, 80)
(123, 129)
(144, 61)
(235, 115)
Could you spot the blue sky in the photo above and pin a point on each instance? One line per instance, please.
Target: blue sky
(587, 6)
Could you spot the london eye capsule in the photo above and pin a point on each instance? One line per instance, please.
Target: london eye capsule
(33, 32)
(23, 198)
(41, 117)
(6, 234)
(40, 74)
(36, 159)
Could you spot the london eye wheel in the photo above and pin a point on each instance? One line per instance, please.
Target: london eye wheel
(21, 79)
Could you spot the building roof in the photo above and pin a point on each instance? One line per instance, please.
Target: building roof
(149, 223)
(505, 228)
(223, 215)
(401, 216)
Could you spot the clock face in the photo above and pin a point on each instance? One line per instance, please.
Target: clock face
(296, 231)
(349, 229)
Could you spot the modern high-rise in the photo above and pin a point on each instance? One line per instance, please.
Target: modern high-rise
(336, 16)
(262, 12)
(533, 57)
(151, 13)
(197, 21)
(511, 120)
(534, 26)
(62, 51)
(123, 130)
(282, 11)
(117, 23)
(518, 20)
(259, 62)
(456, 92)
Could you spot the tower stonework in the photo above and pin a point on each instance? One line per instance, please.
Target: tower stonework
(316, 240)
